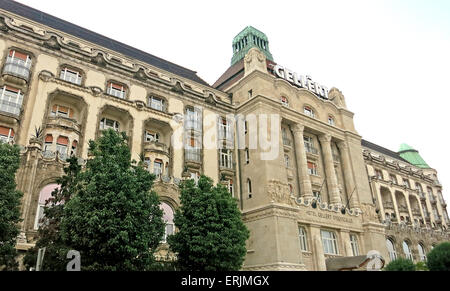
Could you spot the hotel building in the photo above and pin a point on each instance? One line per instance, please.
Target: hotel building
(319, 191)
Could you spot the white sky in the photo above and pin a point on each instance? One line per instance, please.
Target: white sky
(391, 59)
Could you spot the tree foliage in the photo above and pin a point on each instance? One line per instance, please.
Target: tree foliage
(211, 235)
(49, 235)
(400, 264)
(439, 258)
(114, 220)
(9, 205)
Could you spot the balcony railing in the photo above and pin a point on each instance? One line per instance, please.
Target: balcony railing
(193, 124)
(17, 67)
(336, 158)
(287, 142)
(310, 149)
(225, 135)
(192, 155)
(9, 106)
(388, 205)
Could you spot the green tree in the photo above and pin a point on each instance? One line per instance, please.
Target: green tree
(9, 205)
(211, 235)
(49, 235)
(439, 258)
(421, 266)
(400, 264)
(114, 220)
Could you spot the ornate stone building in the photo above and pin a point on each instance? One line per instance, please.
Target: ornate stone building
(308, 186)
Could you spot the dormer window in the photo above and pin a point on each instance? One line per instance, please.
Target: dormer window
(18, 64)
(156, 103)
(62, 111)
(284, 101)
(115, 89)
(106, 123)
(11, 100)
(6, 135)
(70, 75)
(308, 111)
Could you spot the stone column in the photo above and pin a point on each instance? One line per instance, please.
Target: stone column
(332, 183)
(394, 201)
(302, 162)
(380, 201)
(411, 216)
(348, 175)
(318, 248)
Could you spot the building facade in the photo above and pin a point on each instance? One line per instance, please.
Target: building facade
(309, 188)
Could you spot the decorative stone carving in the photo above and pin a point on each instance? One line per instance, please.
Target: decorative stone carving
(140, 75)
(369, 213)
(177, 88)
(279, 192)
(96, 91)
(3, 26)
(99, 60)
(139, 104)
(210, 100)
(255, 60)
(46, 76)
(52, 43)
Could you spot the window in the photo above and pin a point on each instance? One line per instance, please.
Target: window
(308, 111)
(245, 127)
(192, 120)
(309, 145)
(406, 183)
(430, 194)
(168, 220)
(116, 90)
(303, 239)
(63, 111)
(106, 123)
(11, 100)
(192, 149)
(284, 101)
(224, 129)
(156, 103)
(158, 167)
(18, 64)
(151, 136)
(331, 121)
(250, 94)
(48, 143)
(195, 176)
(329, 242)
(312, 169)
(44, 195)
(422, 254)
(316, 195)
(73, 151)
(6, 134)
(71, 76)
(391, 249)
(229, 185)
(247, 156)
(354, 244)
(407, 250)
(393, 179)
(379, 174)
(286, 161)
(249, 188)
(226, 159)
(61, 145)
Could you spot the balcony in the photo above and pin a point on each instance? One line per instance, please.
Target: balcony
(287, 142)
(11, 102)
(64, 122)
(52, 155)
(192, 155)
(17, 68)
(193, 124)
(416, 212)
(388, 205)
(402, 208)
(158, 147)
(336, 158)
(225, 135)
(311, 150)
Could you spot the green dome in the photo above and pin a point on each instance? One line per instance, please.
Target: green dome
(245, 40)
(412, 156)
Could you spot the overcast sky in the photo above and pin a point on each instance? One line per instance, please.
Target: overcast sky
(391, 59)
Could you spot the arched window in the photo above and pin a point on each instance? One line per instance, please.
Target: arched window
(116, 90)
(156, 103)
(354, 244)
(422, 254)
(303, 239)
(284, 101)
(391, 249)
(309, 111)
(70, 75)
(249, 188)
(331, 120)
(168, 220)
(44, 195)
(407, 250)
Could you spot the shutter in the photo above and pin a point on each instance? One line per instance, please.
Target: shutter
(19, 55)
(310, 165)
(117, 87)
(74, 144)
(63, 109)
(12, 133)
(62, 140)
(4, 131)
(70, 113)
(49, 138)
(158, 161)
(54, 108)
(12, 89)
